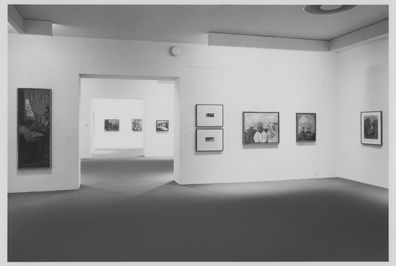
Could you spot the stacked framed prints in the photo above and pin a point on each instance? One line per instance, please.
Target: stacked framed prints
(209, 133)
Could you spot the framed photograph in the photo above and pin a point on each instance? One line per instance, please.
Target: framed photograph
(207, 139)
(162, 125)
(305, 127)
(371, 127)
(34, 128)
(260, 128)
(209, 115)
(112, 125)
(137, 125)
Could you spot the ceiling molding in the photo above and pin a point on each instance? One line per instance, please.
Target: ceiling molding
(269, 42)
(15, 19)
(372, 32)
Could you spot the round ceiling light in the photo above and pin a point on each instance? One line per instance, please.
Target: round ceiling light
(326, 9)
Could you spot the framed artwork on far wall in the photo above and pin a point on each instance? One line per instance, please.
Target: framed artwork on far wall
(260, 128)
(162, 125)
(111, 125)
(34, 128)
(207, 140)
(209, 115)
(137, 125)
(371, 128)
(305, 127)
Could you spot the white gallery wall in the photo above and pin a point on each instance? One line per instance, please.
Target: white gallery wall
(243, 79)
(159, 104)
(124, 110)
(362, 82)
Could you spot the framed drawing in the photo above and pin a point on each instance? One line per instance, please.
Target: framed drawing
(162, 125)
(371, 128)
(34, 128)
(207, 139)
(112, 125)
(305, 127)
(260, 127)
(137, 125)
(209, 115)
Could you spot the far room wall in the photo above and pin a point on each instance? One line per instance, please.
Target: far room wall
(159, 104)
(243, 79)
(124, 110)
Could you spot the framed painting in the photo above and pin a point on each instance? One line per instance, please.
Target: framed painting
(111, 125)
(305, 127)
(137, 125)
(34, 128)
(260, 128)
(162, 125)
(209, 115)
(207, 139)
(371, 128)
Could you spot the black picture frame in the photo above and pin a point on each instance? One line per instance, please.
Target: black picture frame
(309, 135)
(209, 124)
(248, 136)
(366, 136)
(197, 144)
(34, 128)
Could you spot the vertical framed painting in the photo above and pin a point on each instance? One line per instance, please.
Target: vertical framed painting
(305, 127)
(34, 128)
(162, 125)
(209, 115)
(207, 140)
(111, 125)
(137, 125)
(371, 128)
(260, 128)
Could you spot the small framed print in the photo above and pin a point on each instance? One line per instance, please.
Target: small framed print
(209, 115)
(162, 125)
(137, 125)
(371, 128)
(305, 127)
(209, 139)
(112, 125)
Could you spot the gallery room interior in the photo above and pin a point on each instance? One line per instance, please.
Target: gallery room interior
(199, 133)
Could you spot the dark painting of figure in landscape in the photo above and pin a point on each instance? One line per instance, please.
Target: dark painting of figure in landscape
(34, 128)
(112, 125)
(371, 127)
(306, 127)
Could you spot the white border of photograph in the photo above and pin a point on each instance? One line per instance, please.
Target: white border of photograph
(209, 139)
(209, 115)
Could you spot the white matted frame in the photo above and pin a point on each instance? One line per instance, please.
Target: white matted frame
(209, 115)
(207, 139)
(371, 128)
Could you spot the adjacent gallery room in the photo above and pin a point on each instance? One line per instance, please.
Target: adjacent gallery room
(198, 133)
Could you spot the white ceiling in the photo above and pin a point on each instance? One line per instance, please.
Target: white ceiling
(191, 24)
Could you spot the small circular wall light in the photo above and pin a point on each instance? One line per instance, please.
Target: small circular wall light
(176, 51)
(326, 9)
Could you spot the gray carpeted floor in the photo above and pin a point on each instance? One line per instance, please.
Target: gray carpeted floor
(130, 210)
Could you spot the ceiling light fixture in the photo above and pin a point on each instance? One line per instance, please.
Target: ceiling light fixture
(326, 9)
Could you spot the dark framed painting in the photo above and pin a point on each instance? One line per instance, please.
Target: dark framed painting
(371, 128)
(162, 125)
(111, 125)
(207, 140)
(209, 115)
(34, 128)
(305, 127)
(137, 125)
(260, 128)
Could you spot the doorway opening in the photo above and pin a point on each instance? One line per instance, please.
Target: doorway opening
(128, 131)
